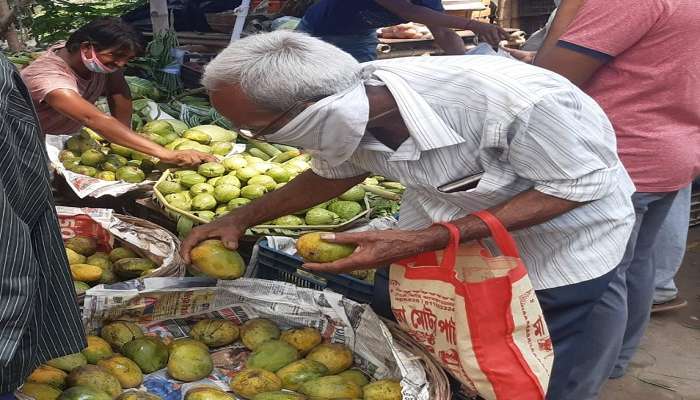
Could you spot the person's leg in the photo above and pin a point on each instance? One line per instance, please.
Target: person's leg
(605, 328)
(640, 280)
(566, 310)
(668, 253)
(7, 396)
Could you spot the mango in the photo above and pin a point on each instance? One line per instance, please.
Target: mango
(120, 150)
(149, 353)
(298, 372)
(279, 395)
(121, 252)
(211, 169)
(336, 357)
(106, 176)
(69, 362)
(80, 287)
(257, 331)
(331, 387)
(108, 276)
(213, 259)
(207, 393)
(84, 170)
(82, 245)
(253, 381)
(40, 391)
(304, 339)
(355, 376)
(272, 355)
(190, 180)
(311, 248)
(355, 193)
(85, 272)
(189, 360)
(97, 349)
(137, 395)
(99, 260)
(384, 389)
(84, 393)
(74, 257)
(129, 268)
(130, 174)
(215, 332)
(119, 333)
(95, 377)
(126, 371)
(49, 375)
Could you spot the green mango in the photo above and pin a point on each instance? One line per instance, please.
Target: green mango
(272, 355)
(129, 268)
(149, 353)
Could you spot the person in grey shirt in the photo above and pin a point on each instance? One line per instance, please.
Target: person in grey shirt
(544, 150)
(39, 317)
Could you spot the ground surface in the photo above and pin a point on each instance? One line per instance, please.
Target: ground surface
(667, 367)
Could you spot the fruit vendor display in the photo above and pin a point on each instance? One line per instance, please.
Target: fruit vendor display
(89, 154)
(281, 365)
(215, 189)
(88, 267)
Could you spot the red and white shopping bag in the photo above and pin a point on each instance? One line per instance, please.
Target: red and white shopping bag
(477, 315)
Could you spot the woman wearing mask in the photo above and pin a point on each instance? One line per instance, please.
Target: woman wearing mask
(65, 82)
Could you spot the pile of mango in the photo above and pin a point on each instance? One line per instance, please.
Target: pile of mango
(214, 189)
(90, 267)
(89, 154)
(284, 365)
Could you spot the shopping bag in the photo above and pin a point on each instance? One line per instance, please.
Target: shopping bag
(477, 314)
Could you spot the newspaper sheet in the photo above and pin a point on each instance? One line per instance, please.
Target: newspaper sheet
(143, 237)
(168, 307)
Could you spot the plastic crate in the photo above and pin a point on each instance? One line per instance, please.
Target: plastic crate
(268, 263)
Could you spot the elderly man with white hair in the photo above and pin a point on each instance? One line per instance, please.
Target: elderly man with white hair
(544, 151)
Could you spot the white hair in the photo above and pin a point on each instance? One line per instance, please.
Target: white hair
(277, 69)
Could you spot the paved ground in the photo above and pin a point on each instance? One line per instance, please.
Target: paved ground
(667, 366)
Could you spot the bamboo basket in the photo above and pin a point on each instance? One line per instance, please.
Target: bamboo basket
(291, 231)
(439, 383)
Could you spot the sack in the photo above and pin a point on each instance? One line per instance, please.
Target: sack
(477, 314)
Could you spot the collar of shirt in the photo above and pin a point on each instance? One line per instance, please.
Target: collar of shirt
(426, 129)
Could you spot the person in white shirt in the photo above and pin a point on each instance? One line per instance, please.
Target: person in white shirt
(545, 152)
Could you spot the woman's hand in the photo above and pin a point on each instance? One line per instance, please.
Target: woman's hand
(186, 158)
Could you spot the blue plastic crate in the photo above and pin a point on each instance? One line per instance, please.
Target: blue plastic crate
(275, 265)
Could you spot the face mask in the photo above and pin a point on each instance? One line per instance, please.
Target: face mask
(330, 129)
(94, 64)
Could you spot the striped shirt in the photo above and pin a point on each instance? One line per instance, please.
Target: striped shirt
(522, 127)
(39, 317)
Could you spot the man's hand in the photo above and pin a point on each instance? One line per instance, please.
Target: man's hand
(490, 33)
(379, 248)
(226, 229)
(186, 158)
(521, 55)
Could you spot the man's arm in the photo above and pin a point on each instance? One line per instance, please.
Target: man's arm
(448, 40)
(119, 98)
(71, 104)
(384, 247)
(304, 191)
(424, 15)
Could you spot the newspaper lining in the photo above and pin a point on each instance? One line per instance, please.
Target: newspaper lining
(169, 306)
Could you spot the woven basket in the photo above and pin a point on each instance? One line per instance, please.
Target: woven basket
(176, 267)
(221, 22)
(439, 384)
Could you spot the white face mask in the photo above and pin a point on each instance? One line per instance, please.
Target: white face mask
(330, 129)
